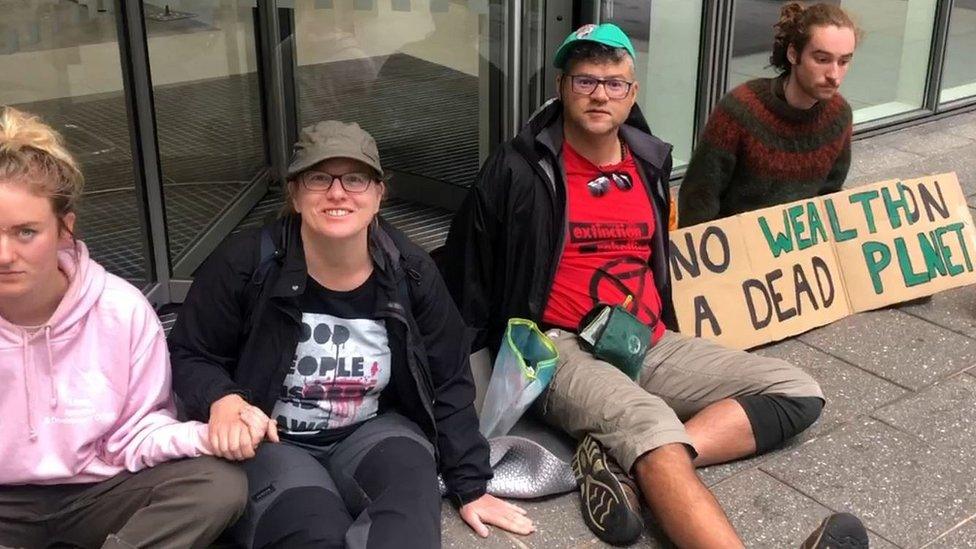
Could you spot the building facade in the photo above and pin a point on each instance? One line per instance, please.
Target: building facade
(182, 112)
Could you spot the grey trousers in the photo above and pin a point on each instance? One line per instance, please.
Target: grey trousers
(185, 503)
(376, 488)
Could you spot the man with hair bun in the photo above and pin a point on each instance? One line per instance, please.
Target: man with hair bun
(570, 214)
(776, 140)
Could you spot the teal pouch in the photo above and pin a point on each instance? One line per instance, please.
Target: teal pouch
(618, 337)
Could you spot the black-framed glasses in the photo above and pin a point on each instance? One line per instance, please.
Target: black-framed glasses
(599, 185)
(352, 182)
(586, 85)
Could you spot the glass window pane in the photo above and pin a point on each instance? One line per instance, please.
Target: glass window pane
(959, 75)
(890, 67)
(60, 60)
(208, 108)
(415, 74)
(666, 36)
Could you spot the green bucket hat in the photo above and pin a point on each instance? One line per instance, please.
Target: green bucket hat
(333, 139)
(607, 34)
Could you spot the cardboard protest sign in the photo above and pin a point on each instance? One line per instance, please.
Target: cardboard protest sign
(769, 274)
(904, 240)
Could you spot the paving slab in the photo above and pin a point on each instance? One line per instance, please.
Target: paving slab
(714, 475)
(952, 309)
(899, 486)
(963, 537)
(960, 160)
(940, 146)
(558, 526)
(941, 163)
(899, 347)
(767, 513)
(850, 392)
(923, 140)
(953, 161)
(964, 125)
(868, 158)
(941, 415)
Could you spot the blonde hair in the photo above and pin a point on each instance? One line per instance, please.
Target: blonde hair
(33, 153)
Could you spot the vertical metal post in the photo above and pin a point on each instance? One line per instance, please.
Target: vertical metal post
(940, 42)
(590, 11)
(277, 128)
(536, 86)
(138, 91)
(558, 24)
(717, 33)
(513, 70)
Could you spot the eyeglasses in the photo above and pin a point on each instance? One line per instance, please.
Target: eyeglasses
(320, 182)
(601, 184)
(586, 85)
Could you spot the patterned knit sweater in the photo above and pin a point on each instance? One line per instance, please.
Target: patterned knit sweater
(758, 151)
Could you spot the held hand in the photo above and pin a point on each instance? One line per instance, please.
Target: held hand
(230, 436)
(261, 426)
(491, 510)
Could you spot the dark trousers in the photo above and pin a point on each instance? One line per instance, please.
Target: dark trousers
(375, 488)
(185, 503)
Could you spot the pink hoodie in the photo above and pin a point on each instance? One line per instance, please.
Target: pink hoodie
(88, 395)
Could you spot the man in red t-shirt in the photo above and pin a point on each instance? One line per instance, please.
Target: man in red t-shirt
(572, 213)
(607, 244)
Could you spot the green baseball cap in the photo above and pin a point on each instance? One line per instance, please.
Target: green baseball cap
(607, 34)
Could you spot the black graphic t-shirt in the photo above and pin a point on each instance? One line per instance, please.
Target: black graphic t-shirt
(342, 365)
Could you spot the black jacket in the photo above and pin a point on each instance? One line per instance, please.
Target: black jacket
(504, 246)
(239, 326)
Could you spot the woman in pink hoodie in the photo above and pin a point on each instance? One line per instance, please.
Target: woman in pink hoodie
(91, 453)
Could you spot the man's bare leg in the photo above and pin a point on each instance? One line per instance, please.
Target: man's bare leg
(684, 507)
(721, 432)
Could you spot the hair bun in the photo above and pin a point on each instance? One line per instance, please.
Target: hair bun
(20, 130)
(791, 11)
(33, 152)
(789, 17)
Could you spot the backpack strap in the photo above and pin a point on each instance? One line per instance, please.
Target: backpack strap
(269, 253)
(403, 292)
(268, 260)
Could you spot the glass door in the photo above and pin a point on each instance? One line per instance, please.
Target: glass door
(424, 77)
(959, 73)
(61, 61)
(415, 74)
(666, 35)
(207, 93)
(890, 68)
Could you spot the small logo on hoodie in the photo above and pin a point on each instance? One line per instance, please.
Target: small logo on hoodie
(79, 410)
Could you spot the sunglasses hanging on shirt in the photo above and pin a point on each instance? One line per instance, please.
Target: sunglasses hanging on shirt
(599, 185)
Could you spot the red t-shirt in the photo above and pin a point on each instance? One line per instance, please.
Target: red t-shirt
(607, 250)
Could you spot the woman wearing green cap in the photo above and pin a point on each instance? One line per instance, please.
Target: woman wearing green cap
(335, 325)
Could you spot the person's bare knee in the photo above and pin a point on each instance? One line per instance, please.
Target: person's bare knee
(721, 432)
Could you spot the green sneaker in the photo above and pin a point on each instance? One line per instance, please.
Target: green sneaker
(609, 497)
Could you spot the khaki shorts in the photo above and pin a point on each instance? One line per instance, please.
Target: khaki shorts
(681, 375)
